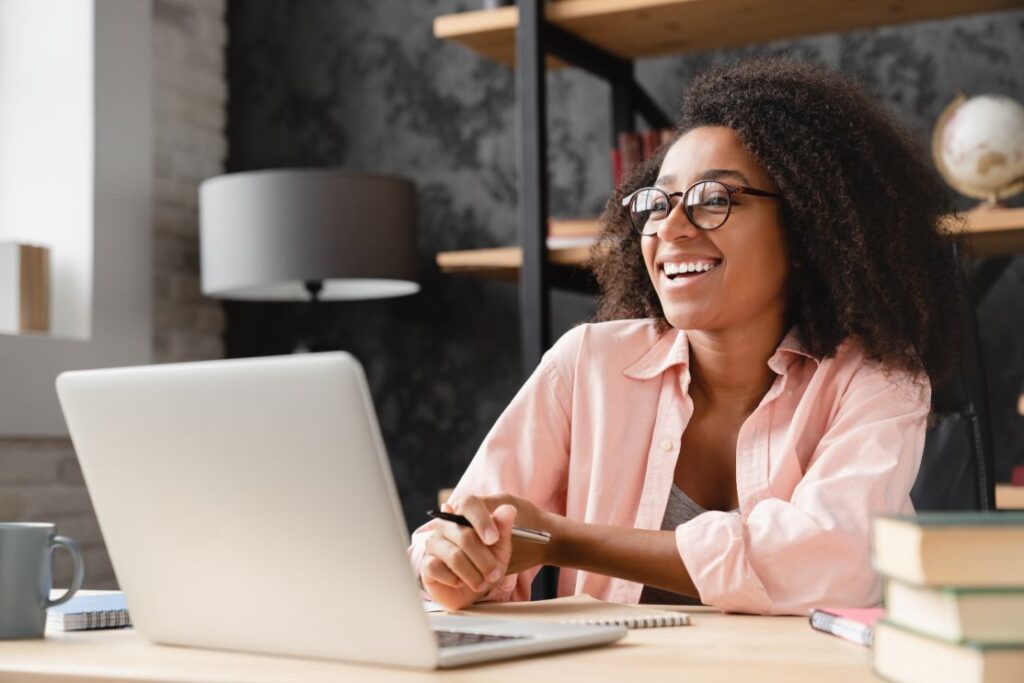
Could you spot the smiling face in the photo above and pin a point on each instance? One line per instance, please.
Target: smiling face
(712, 280)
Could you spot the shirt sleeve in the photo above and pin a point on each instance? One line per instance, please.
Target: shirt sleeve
(788, 556)
(526, 453)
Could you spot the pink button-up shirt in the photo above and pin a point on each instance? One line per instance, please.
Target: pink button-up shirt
(594, 435)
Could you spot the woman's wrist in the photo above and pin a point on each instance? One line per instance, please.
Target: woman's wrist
(563, 532)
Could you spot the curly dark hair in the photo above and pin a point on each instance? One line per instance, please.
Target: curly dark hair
(861, 210)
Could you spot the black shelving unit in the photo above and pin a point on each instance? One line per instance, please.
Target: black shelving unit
(535, 40)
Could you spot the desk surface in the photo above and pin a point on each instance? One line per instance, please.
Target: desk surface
(716, 647)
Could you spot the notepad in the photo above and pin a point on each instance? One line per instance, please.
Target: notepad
(581, 609)
(89, 610)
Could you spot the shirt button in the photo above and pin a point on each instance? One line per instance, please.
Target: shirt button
(666, 445)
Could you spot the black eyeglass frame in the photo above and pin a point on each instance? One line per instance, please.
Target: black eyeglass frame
(730, 190)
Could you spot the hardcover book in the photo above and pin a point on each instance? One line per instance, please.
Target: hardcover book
(960, 549)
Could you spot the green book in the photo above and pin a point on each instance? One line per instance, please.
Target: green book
(954, 549)
(988, 616)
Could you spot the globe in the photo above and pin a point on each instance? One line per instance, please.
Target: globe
(978, 146)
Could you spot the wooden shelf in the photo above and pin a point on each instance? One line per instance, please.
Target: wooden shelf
(503, 263)
(990, 232)
(995, 232)
(646, 28)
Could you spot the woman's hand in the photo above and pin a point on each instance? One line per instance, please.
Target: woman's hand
(462, 564)
(525, 554)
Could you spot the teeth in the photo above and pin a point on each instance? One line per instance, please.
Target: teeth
(677, 268)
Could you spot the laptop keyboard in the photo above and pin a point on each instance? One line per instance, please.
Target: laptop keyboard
(457, 638)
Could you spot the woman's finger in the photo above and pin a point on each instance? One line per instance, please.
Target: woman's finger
(456, 560)
(436, 571)
(479, 515)
(479, 554)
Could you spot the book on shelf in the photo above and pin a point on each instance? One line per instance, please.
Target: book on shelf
(992, 616)
(904, 656)
(89, 610)
(571, 241)
(955, 549)
(633, 147)
(567, 233)
(854, 625)
(651, 140)
(631, 152)
(616, 160)
(24, 288)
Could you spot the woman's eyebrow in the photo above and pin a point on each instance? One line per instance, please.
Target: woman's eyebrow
(719, 173)
(706, 174)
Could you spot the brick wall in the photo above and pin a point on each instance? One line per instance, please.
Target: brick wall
(39, 478)
(190, 106)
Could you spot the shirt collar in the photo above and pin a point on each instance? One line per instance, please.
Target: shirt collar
(791, 346)
(673, 348)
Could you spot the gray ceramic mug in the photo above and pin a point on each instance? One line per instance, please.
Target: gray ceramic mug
(26, 576)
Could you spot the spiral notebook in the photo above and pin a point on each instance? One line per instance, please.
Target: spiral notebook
(581, 609)
(89, 610)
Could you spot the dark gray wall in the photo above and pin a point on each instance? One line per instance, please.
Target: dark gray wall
(364, 85)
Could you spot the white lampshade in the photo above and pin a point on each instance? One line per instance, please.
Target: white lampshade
(265, 234)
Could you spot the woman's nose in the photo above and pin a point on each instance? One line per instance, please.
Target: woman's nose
(677, 225)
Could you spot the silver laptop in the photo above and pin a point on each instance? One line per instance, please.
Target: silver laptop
(249, 505)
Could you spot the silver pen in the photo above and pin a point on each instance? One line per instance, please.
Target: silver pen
(532, 535)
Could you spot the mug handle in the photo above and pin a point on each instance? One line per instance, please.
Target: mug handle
(76, 582)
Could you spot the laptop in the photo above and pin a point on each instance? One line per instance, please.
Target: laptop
(249, 505)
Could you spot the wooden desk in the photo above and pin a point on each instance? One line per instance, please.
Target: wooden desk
(716, 647)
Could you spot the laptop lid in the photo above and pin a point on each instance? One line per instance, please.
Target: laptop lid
(249, 505)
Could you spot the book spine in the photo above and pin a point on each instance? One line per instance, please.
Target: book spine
(42, 294)
(853, 631)
(652, 141)
(25, 288)
(630, 150)
(616, 157)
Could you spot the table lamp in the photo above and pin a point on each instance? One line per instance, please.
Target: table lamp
(307, 235)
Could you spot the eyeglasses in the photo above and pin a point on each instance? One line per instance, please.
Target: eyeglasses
(707, 204)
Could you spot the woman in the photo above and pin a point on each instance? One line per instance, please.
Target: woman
(775, 295)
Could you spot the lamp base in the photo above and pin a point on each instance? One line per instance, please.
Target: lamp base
(312, 342)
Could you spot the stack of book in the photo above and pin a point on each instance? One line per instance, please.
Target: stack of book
(954, 597)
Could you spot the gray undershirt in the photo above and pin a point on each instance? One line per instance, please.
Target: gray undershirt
(680, 509)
